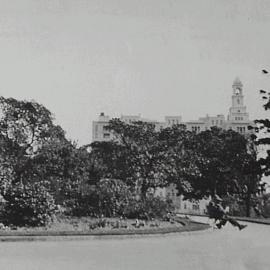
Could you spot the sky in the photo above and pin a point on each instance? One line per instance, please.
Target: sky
(150, 57)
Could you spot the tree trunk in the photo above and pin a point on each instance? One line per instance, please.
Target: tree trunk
(144, 189)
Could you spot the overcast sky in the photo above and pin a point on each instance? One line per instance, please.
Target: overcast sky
(153, 57)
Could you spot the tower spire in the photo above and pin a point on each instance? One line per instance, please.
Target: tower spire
(237, 83)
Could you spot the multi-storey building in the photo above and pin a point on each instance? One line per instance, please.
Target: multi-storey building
(237, 120)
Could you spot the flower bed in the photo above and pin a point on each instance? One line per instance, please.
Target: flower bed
(84, 227)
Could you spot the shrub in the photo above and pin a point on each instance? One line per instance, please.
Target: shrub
(110, 197)
(79, 206)
(28, 205)
(113, 198)
(149, 207)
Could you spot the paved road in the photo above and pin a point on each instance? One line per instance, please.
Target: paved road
(213, 249)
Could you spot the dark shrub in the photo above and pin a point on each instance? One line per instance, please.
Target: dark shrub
(113, 198)
(110, 197)
(28, 205)
(80, 206)
(149, 207)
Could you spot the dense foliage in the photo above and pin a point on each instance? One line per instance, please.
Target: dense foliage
(28, 205)
(148, 208)
(110, 197)
(119, 177)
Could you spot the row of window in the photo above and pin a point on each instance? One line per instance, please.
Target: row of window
(241, 129)
(106, 135)
(174, 122)
(130, 121)
(217, 122)
(196, 128)
(194, 206)
(239, 118)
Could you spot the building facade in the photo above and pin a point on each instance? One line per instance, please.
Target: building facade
(237, 120)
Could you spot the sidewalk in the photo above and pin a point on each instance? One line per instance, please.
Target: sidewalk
(265, 221)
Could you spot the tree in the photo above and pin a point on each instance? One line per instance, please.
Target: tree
(111, 160)
(178, 163)
(261, 136)
(24, 128)
(137, 150)
(27, 123)
(28, 204)
(261, 140)
(225, 163)
(248, 175)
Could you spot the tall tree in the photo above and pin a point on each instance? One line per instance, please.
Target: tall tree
(137, 149)
(178, 163)
(262, 134)
(24, 128)
(225, 162)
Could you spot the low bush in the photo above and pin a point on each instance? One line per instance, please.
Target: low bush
(113, 198)
(149, 207)
(80, 206)
(28, 205)
(110, 197)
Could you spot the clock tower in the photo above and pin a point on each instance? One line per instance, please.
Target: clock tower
(238, 118)
(238, 112)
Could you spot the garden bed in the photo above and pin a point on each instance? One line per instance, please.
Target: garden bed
(83, 227)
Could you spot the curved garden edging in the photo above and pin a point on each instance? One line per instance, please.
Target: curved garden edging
(13, 236)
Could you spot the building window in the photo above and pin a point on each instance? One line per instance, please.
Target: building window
(96, 131)
(241, 129)
(106, 135)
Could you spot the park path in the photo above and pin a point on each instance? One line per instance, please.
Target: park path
(205, 250)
